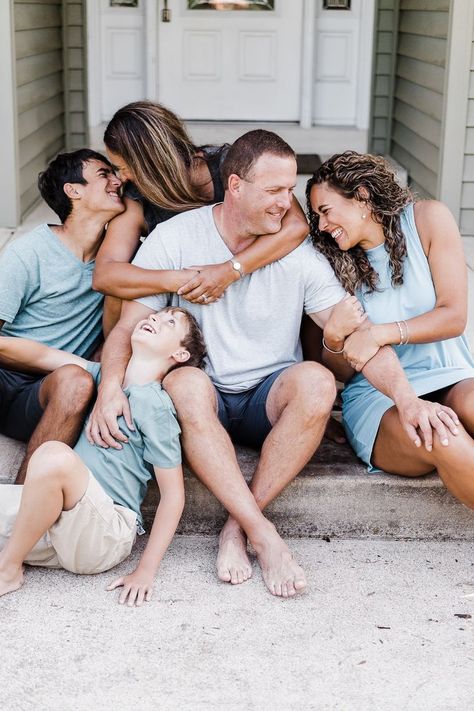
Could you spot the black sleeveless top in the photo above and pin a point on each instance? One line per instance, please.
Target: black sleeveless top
(153, 214)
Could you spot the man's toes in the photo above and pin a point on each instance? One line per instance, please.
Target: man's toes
(284, 590)
(224, 575)
(300, 583)
(290, 588)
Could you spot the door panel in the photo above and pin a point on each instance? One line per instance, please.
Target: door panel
(231, 64)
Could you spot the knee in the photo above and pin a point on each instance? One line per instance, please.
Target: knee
(314, 388)
(72, 386)
(51, 460)
(191, 391)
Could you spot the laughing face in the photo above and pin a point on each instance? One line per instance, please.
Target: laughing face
(266, 195)
(101, 193)
(162, 333)
(345, 220)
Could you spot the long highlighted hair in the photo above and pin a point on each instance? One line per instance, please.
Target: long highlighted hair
(154, 143)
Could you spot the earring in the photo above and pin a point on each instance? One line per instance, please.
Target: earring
(363, 215)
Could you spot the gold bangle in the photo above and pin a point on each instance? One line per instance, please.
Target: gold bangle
(331, 350)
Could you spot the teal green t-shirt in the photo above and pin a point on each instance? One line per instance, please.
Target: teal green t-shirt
(124, 473)
(46, 294)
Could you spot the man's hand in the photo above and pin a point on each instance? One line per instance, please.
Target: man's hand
(102, 427)
(137, 587)
(420, 418)
(359, 348)
(210, 281)
(346, 316)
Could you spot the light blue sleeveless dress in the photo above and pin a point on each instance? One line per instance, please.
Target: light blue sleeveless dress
(428, 366)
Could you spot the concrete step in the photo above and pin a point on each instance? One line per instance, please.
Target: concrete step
(333, 496)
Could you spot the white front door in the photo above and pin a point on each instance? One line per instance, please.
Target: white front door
(231, 64)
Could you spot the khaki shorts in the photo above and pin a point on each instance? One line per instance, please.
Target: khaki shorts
(92, 537)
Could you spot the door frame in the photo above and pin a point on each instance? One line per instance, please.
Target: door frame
(152, 9)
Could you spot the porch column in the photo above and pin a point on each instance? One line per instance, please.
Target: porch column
(9, 171)
(453, 134)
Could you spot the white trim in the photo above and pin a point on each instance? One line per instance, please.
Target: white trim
(307, 64)
(151, 48)
(10, 172)
(366, 58)
(456, 93)
(94, 58)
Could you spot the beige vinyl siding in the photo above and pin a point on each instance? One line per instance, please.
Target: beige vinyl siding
(386, 22)
(419, 88)
(39, 88)
(467, 193)
(75, 74)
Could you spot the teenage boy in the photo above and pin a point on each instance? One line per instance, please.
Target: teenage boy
(46, 295)
(80, 509)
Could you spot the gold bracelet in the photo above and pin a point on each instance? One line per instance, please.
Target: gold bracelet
(331, 350)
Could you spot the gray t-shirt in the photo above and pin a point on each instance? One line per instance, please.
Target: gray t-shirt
(46, 294)
(253, 330)
(124, 473)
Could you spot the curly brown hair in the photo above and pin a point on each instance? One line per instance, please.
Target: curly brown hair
(348, 174)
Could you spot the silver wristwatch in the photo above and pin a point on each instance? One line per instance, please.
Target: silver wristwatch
(237, 266)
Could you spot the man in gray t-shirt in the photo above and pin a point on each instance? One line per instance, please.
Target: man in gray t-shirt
(257, 386)
(46, 295)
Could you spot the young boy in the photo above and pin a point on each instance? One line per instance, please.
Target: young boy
(80, 509)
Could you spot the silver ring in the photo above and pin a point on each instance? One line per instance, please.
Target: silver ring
(203, 297)
(440, 412)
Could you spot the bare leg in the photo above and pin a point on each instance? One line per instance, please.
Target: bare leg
(396, 454)
(65, 396)
(312, 342)
(461, 398)
(56, 480)
(298, 405)
(211, 455)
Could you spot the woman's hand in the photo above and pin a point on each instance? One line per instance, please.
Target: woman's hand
(346, 316)
(137, 587)
(359, 348)
(208, 284)
(420, 418)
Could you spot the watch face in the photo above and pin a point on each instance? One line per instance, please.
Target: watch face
(236, 265)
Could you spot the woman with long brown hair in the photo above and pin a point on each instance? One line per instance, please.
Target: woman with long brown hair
(404, 262)
(167, 174)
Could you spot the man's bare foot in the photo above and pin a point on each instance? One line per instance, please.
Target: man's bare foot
(335, 431)
(233, 564)
(10, 579)
(281, 573)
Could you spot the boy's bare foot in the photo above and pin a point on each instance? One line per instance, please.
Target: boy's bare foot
(281, 573)
(233, 564)
(10, 579)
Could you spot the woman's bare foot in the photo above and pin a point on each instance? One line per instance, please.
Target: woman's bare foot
(335, 431)
(281, 573)
(233, 564)
(11, 578)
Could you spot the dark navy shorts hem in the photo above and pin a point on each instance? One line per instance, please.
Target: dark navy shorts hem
(244, 415)
(20, 409)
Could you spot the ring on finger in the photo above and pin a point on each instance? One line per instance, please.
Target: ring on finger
(203, 298)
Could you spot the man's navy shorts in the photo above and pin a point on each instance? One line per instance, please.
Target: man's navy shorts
(244, 415)
(20, 409)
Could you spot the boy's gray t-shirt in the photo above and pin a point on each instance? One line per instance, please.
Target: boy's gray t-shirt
(46, 294)
(124, 473)
(253, 330)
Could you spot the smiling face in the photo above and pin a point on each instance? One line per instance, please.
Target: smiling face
(121, 168)
(345, 220)
(161, 334)
(101, 192)
(266, 195)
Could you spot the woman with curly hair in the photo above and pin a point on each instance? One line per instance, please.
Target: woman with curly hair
(165, 174)
(403, 261)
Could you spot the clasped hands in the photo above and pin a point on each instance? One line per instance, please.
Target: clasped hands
(349, 330)
(208, 282)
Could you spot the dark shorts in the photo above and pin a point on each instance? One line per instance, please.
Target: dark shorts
(244, 415)
(20, 409)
